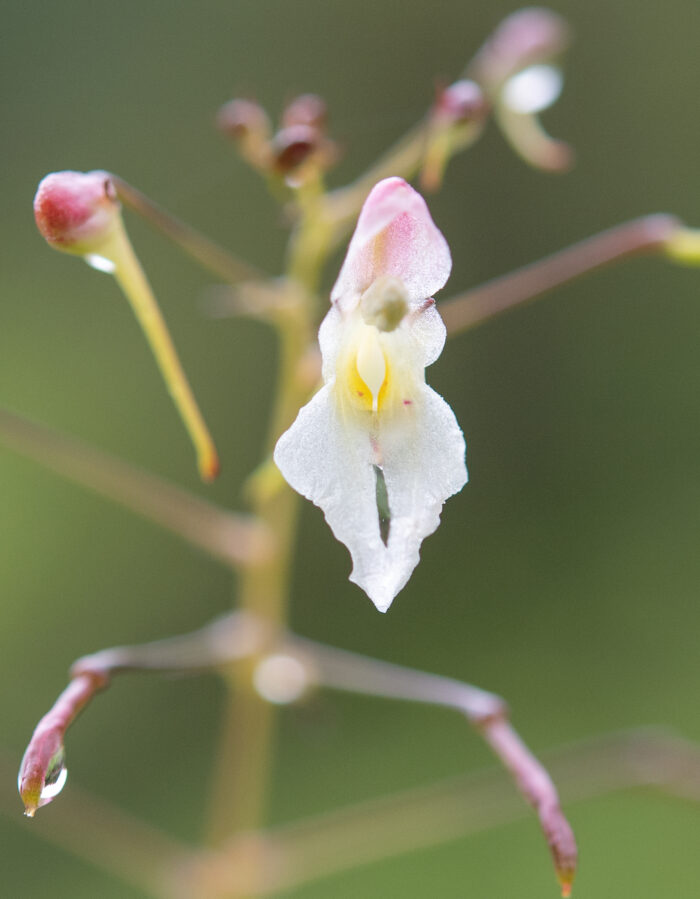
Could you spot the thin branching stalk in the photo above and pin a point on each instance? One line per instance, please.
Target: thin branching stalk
(485, 711)
(202, 249)
(233, 539)
(216, 646)
(327, 844)
(648, 235)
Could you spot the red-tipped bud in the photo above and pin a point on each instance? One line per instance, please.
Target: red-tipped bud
(307, 109)
(243, 119)
(461, 103)
(76, 211)
(526, 37)
(294, 146)
(80, 214)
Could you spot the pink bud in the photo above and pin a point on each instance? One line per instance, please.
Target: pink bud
(525, 37)
(532, 32)
(395, 237)
(308, 109)
(76, 211)
(293, 146)
(243, 120)
(461, 102)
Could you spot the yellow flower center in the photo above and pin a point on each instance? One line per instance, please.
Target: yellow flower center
(374, 371)
(364, 372)
(371, 364)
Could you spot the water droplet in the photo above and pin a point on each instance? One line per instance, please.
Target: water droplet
(28, 781)
(101, 263)
(56, 776)
(533, 90)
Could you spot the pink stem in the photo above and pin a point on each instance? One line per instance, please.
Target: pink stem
(217, 644)
(637, 237)
(487, 712)
(536, 785)
(47, 739)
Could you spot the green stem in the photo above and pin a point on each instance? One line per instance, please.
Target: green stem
(242, 772)
(404, 158)
(134, 283)
(422, 149)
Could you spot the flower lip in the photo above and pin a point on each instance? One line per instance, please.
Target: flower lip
(395, 236)
(75, 211)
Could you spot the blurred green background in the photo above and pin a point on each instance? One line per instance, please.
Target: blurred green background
(565, 577)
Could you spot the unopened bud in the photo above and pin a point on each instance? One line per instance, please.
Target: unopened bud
(77, 212)
(456, 120)
(522, 39)
(246, 123)
(293, 146)
(385, 303)
(461, 103)
(242, 120)
(307, 109)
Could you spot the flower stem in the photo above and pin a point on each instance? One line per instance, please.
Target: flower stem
(242, 771)
(488, 713)
(132, 280)
(404, 158)
(47, 739)
(200, 248)
(652, 234)
(216, 645)
(235, 540)
(413, 152)
(329, 843)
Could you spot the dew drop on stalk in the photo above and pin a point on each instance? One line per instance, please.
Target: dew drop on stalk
(55, 780)
(100, 263)
(56, 777)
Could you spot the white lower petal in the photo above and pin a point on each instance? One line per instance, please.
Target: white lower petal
(329, 458)
(424, 464)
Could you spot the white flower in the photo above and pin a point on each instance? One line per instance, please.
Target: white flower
(376, 448)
